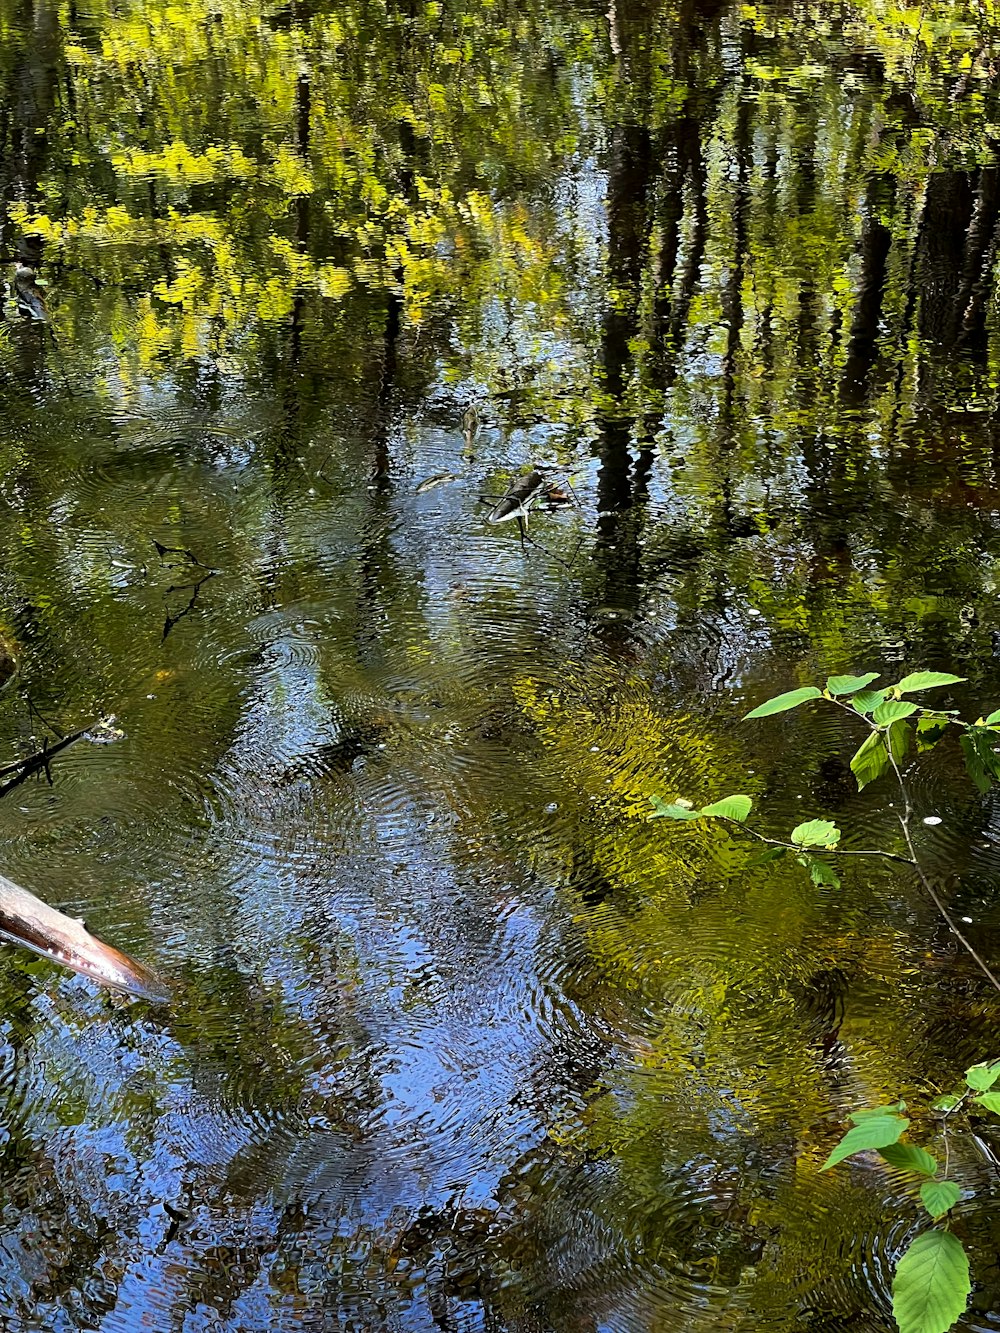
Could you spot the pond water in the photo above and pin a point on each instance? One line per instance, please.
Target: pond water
(459, 1039)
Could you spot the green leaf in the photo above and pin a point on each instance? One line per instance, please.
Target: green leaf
(765, 858)
(974, 765)
(947, 1102)
(816, 833)
(898, 737)
(981, 1077)
(730, 807)
(925, 680)
(782, 702)
(837, 685)
(871, 761)
(894, 1108)
(981, 760)
(931, 1287)
(991, 1101)
(877, 1131)
(993, 719)
(939, 1196)
(822, 874)
(892, 711)
(930, 728)
(867, 700)
(908, 1157)
(661, 810)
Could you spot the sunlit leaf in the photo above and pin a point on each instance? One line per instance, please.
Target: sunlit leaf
(993, 718)
(981, 1077)
(990, 1100)
(730, 807)
(931, 1287)
(837, 685)
(878, 1131)
(925, 680)
(816, 833)
(782, 702)
(908, 1157)
(870, 761)
(661, 810)
(866, 701)
(892, 710)
(939, 1196)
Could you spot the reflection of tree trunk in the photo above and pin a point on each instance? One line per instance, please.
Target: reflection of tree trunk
(876, 240)
(948, 218)
(980, 258)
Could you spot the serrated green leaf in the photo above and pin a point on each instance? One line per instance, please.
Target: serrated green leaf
(782, 702)
(837, 685)
(661, 810)
(866, 701)
(893, 1108)
(930, 728)
(908, 1157)
(822, 874)
(730, 807)
(990, 1100)
(981, 1077)
(870, 761)
(898, 736)
(877, 1131)
(765, 858)
(892, 710)
(946, 1102)
(925, 680)
(931, 1287)
(939, 1196)
(816, 833)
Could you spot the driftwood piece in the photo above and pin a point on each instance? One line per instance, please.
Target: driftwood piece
(26, 920)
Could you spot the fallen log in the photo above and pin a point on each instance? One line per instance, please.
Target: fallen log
(26, 920)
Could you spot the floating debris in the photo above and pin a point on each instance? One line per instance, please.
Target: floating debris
(442, 479)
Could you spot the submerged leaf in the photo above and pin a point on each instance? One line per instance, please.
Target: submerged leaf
(930, 728)
(730, 807)
(765, 858)
(821, 873)
(782, 702)
(663, 810)
(931, 1287)
(946, 1102)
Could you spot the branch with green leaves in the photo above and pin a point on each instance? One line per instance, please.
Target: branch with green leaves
(932, 1282)
(894, 724)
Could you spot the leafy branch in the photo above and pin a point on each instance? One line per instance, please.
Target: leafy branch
(931, 1284)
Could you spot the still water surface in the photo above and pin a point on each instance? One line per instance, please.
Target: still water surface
(460, 1040)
